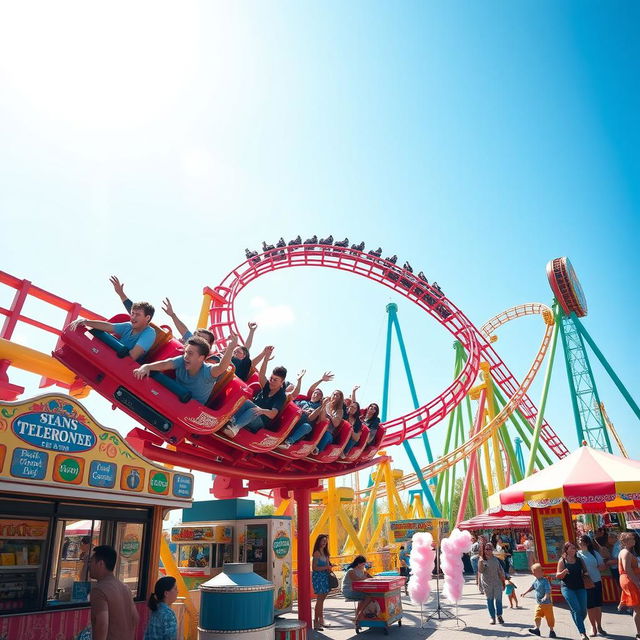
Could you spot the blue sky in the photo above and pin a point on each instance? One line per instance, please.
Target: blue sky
(478, 141)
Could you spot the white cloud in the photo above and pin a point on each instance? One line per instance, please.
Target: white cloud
(266, 315)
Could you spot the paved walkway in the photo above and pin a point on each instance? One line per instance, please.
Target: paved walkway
(473, 619)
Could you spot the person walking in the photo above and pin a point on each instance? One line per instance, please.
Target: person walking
(113, 614)
(405, 567)
(629, 578)
(571, 570)
(162, 624)
(491, 582)
(320, 570)
(594, 563)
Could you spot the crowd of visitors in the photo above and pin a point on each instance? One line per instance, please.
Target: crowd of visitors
(579, 570)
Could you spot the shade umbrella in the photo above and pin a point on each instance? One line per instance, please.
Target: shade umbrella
(589, 480)
(487, 521)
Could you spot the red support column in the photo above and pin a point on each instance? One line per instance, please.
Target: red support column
(303, 498)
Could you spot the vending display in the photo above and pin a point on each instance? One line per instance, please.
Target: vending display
(203, 546)
(21, 552)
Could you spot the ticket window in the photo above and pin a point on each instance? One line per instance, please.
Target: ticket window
(73, 542)
(256, 548)
(74, 539)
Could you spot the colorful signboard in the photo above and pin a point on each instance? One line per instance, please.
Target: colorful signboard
(220, 534)
(53, 441)
(403, 530)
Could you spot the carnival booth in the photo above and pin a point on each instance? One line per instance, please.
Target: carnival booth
(515, 527)
(67, 485)
(588, 481)
(215, 532)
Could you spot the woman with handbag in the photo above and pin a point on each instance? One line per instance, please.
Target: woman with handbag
(321, 573)
(595, 564)
(572, 571)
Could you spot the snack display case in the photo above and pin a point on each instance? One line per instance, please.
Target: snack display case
(21, 552)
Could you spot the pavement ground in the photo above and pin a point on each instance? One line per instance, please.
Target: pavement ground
(472, 621)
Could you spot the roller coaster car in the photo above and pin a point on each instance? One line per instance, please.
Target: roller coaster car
(267, 439)
(159, 402)
(359, 447)
(332, 451)
(306, 445)
(371, 449)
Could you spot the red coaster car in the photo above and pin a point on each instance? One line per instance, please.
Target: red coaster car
(159, 402)
(359, 447)
(332, 451)
(306, 445)
(371, 449)
(267, 439)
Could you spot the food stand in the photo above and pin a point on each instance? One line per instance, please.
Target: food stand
(587, 481)
(69, 484)
(214, 532)
(385, 607)
(516, 526)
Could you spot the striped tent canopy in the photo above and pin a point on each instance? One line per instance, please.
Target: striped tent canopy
(590, 480)
(487, 521)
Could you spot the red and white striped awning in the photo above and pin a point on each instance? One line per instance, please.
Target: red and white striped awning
(590, 480)
(486, 521)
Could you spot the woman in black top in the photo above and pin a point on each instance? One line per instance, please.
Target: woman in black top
(372, 421)
(572, 571)
(353, 418)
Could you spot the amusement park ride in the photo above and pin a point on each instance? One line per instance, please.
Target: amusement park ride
(176, 430)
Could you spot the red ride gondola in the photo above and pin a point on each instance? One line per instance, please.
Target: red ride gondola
(165, 407)
(159, 402)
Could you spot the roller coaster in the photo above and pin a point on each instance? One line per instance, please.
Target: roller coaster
(194, 431)
(176, 430)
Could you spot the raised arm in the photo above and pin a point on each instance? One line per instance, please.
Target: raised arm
(221, 367)
(252, 329)
(258, 359)
(168, 309)
(327, 376)
(118, 287)
(353, 392)
(263, 367)
(296, 389)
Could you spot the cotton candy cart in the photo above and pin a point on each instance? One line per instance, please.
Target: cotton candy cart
(385, 607)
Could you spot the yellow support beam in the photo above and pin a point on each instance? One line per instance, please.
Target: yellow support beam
(491, 412)
(34, 361)
(281, 509)
(191, 619)
(203, 316)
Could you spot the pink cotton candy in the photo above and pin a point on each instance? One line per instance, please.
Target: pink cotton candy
(451, 551)
(422, 557)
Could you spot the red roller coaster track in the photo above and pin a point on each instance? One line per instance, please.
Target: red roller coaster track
(426, 296)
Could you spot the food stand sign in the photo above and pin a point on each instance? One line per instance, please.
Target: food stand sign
(219, 534)
(53, 441)
(403, 530)
(281, 544)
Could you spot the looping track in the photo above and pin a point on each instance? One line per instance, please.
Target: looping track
(430, 299)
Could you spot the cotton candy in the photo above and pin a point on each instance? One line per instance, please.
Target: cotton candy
(451, 551)
(422, 557)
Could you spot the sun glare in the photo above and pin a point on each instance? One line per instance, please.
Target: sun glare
(98, 64)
